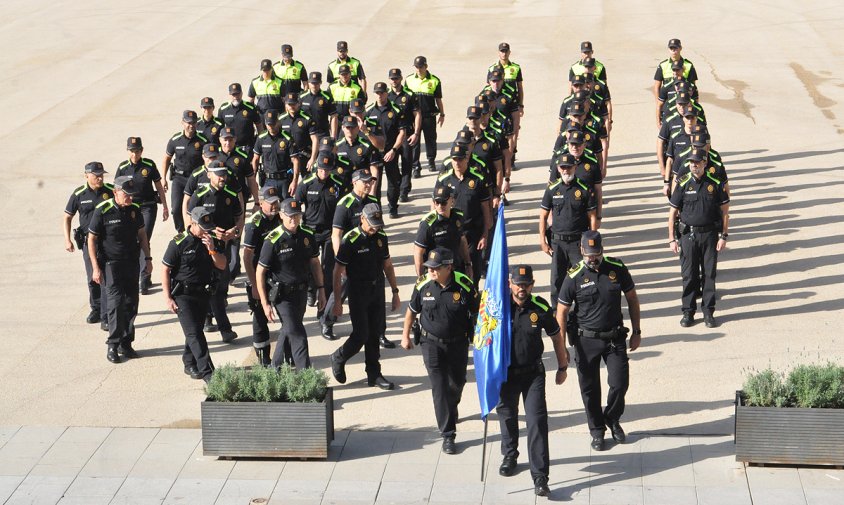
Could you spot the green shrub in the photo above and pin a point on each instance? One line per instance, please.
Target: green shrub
(230, 383)
(807, 386)
(766, 389)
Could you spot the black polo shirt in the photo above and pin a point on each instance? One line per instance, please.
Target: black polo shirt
(715, 167)
(288, 255)
(470, 193)
(300, 128)
(320, 107)
(426, 91)
(679, 148)
(348, 210)
(210, 129)
(186, 152)
(699, 200)
(256, 230)
(320, 199)
(597, 295)
(199, 177)
(446, 312)
(116, 229)
(223, 203)
(436, 230)
(593, 131)
(145, 174)
(406, 102)
(189, 260)
(569, 205)
(238, 164)
(275, 153)
(363, 256)
(243, 119)
(359, 154)
(528, 321)
(84, 200)
(390, 120)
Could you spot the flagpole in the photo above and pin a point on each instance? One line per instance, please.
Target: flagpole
(483, 453)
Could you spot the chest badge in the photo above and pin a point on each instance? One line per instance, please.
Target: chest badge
(321, 102)
(710, 188)
(472, 184)
(428, 293)
(245, 113)
(237, 161)
(711, 170)
(306, 241)
(612, 275)
(360, 151)
(587, 167)
(300, 123)
(213, 130)
(484, 146)
(132, 214)
(380, 244)
(105, 196)
(196, 145)
(144, 172)
(228, 201)
(339, 171)
(282, 145)
(456, 297)
(577, 194)
(557, 193)
(588, 137)
(331, 190)
(390, 115)
(533, 317)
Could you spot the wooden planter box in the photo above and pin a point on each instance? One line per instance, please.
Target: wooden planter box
(789, 436)
(268, 429)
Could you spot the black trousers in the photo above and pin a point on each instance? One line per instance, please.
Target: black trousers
(446, 365)
(96, 294)
(121, 287)
(260, 328)
(192, 310)
(531, 388)
(233, 258)
(218, 299)
(149, 213)
(476, 255)
(406, 170)
(328, 313)
(394, 182)
(291, 311)
(367, 312)
(588, 355)
(177, 196)
(566, 255)
(326, 260)
(282, 186)
(429, 130)
(697, 253)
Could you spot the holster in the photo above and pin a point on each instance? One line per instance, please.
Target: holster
(254, 305)
(615, 333)
(79, 237)
(176, 288)
(274, 292)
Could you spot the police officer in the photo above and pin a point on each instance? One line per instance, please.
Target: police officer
(357, 149)
(446, 303)
(588, 168)
(257, 228)
(184, 149)
(664, 73)
(355, 67)
(265, 90)
(189, 264)
(594, 132)
(363, 256)
(680, 143)
(319, 105)
(442, 227)
(343, 91)
(595, 328)
(242, 116)
(702, 206)
(236, 160)
(512, 74)
(577, 68)
(291, 72)
(668, 91)
(429, 93)
(393, 126)
(572, 207)
(599, 90)
(530, 315)
(116, 237)
(84, 200)
(151, 192)
(273, 149)
(406, 101)
(209, 125)
(303, 130)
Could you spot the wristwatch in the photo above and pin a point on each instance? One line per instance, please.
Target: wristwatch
(723, 236)
(395, 291)
(637, 332)
(562, 369)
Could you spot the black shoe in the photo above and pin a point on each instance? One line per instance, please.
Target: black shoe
(404, 198)
(146, 283)
(228, 335)
(598, 442)
(386, 344)
(328, 332)
(617, 433)
(193, 372)
(688, 319)
(508, 467)
(312, 299)
(338, 368)
(128, 352)
(263, 354)
(209, 326)
(540, 486)
(449, 447)
(394, 213)
(432, 166)
(112, 355)
(93, 317)
(381, 382)
(417, 173)
(104, 325)
(709, 321)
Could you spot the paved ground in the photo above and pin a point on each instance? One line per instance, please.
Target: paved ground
(77, 79)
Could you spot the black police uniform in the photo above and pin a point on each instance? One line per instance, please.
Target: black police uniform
(240, 170)
(192, 275)
(146, 175)
(526, 379)
(268, 93)
(426, 91)
(447, 317)
(569, 205)
(320, 200)
(363, 256)
(484, 157)
(118, 249)
(668, 97)
(319, 106)
(199, 178)
(243, 118)
(588, 168)
(255, 231)
(187, 157)
(391, 122)
(84, 200)
(594, 130)
(406, 101)
(355, 156)
(470, 194)
(210, 129)
(699, 203)
(287, 256)
(276, 161)
(436, 230)
(714, 167)
(290, 75)
(596, 330)
(665, 74)
(300, 128)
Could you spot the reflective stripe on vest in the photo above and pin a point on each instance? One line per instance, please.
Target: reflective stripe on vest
(420, 86)
(267, 88)
(668, 74)
(288, 72)
(353, 64)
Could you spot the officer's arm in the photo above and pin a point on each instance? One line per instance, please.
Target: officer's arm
(66, 224)
(333, 125)
(560, 349)
(409, 318)
(633, 307)
(418, 259)
(261, 283)
(390, 272)
(143, 240)
(255, 158)
(441, 107)
(657, 84)
(543, 225)
(316, 271)
(161, 194)
(609, 115)
(92, 255)
(417, 122)
(467, 258)
(486, 210)
(314, 148)
(672, 219)
(605, 154)
(562, 317)
(378, 141)
(253, 189)
(599, 193)
(166, 166)
(660, 158)
(725, 217)
(336, 237)
(339, 272)
(248, 258)
(166, 288)
(185, 210)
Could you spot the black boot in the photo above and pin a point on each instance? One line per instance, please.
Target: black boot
(263, 354)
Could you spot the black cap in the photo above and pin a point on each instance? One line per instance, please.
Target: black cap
(325, 161)
(380, 87)
(291, 98)
(210, 150)
(342, 45)
(286, 50)
(521, 274)
(227, 133)
(442, 193)
(134, 143)
(94, 167)
(581, 95)
(290, 207)
(503, 101)
(362, 175)
(394, 73)
(458, 151)
(482, 103)
(590, 242)
(566, 160)
(674, 43)
(189, 116)
(271, 116)
(349, 122)
(683, 97)
(577, 108)
(217, 167)
(315, 77)
(234, 88)
(574, 127)
(588, 62)
(495, 74)
(266, 64)
(203, 217)
(489, 94)
(504, 46)
(373, 215)
(585, 47)
(126, 183)
(575, 137)
(206, 102)
(344, 69)
(269, 194)
(698, 155)
(357, 105)
(578, 79)
(420, 61)
(677, 64)
(473, 112)
(700, 139)
(438, 257)
(326, 144)
(682, 84)
(688, 111)
(700, 128)
(463, 138)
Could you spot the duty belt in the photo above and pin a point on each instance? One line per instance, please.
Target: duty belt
(686, 228)
(195, 289)
(276, 176)
(614, 333)
(515, 371)
(566, 237)
(430, 336)
(182, 173)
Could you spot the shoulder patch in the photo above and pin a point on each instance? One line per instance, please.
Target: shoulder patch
(352, 235)
(575, 269)
(540, 302)
(464, 281)
(274, 235)
(614, 261)
(174, 137)
(421, 283)
(201, 137)
(430, 218)
(79, 190)
(685, 179)
(180, 237)
(709, 176)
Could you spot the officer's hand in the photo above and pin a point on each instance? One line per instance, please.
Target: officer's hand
(441, 120)
(495, 201)
(68, 246)
(413, 139)
(635, 341)
(338, 309)
(505, 187)
(255, 294)
(666, 190)
(165, 213)
(396, 302)
(268, 312)
(675, 247)
(208, 242)
(721, 245)
(171, 305)
(546, 248)
(406, 343)
(148, 267)
(292, 188)
(164, 185)
(320, 299)
(560, 377)
(255, 208)
(482, 243)
(97, 276)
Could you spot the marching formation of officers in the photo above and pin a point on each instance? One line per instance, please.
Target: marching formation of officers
(312, 161)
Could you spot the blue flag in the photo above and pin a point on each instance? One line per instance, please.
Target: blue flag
(492, 330)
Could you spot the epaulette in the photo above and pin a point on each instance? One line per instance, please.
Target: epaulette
(304, 115)
(477, 159)
(575, 269)
(370, 107)
(581, 184)
(614, 261)
(552, 185)
(445, 174)
(305, 229)
(177, 135)
(672, 116)
(587, 155)
(218, 121)
(224, 105)
(263, 134)
(198, 171)
(229, 191)
(716, 181)
(540, 302)
(347, 200)
(373, 199)
(685, 179)
(148, 162)
(205, 189)
(464, 281)
(240, 151)
(283, 116)
(382, 233)
(136, 205)
(458, 212)
(180, 237)
(123, 165)
(687, 151)
(106, 205)
(340, 141)
(395, 107)
(255, 220)
(248, 105)
(274, 235)
(367, 144)
(309, 178)
(81, 189)
(352, 235)
(425, 280)
(325, 94)
(430, 218)
(109, 185)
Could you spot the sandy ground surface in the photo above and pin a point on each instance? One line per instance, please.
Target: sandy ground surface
(79, 77)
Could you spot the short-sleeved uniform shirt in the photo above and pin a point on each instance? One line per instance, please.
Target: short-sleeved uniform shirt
(596, 295)
(587, 170)
(569, 205)
(267, 93)
(243, 119)
(593, 128)
(426, 90)
(390, 120)
(679, 147)
(256, 230)
(238, 164)
(223, 203)
(446, 312)
(355, 69)
(350, 157)
(485, 153)
(348, 210)
(288, 255)
(275, 152)
(186, 152)
(300, 128)
(577, 68)
(470, 194)
(363, 256)
(210, 129)
(512, 75)
(320, 199)
(528, 322)
(715, 167)
(116, 229)
(405, 100)
(84, 200)
(292, 75)
(145, 174)
(189, 260)
(343, 94)
(199, 177)
(436, 230)
(699, 200)
(320, 107)
(664, 73)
